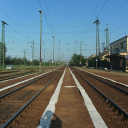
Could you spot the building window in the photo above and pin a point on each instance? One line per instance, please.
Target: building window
(121, 45)
(124, 45)
(117, 47)
(111, 49)
(114, 47)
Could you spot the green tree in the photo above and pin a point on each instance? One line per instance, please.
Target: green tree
(8, 60)
(92, 62)
(100, 63)
(78, 60)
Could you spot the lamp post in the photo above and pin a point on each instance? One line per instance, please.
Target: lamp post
(40, 36)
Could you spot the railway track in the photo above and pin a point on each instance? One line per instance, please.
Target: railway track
(11, 76)
(10, 85)
(24, 101)
(113, 106)
(15, 74)
(3, 72)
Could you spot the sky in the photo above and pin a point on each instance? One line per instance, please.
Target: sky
(69, 21)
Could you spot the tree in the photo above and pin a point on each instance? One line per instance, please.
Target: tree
(78, 60)
(100, 63)
(8, 60)
(92, 62)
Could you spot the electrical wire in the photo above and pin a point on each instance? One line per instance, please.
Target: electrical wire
(102, 8)
(15, 23)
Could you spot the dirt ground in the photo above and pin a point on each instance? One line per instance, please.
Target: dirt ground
(117, 76)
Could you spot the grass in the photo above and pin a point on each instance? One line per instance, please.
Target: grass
(19, 67)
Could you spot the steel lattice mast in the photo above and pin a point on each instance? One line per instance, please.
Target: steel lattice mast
(107, 39)
(97, 39)
(3, 43)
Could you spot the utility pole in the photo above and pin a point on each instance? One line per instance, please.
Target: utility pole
(59, 52)
(33, 53)
(40, 36)
(53, 50)
(50, 60)
(81, 51)
(63, 58)
(0, 53)
(44, 57)
(3, 42)
(74, 57)
(97, 38)
(107, 39)
(103, 47)
(24, 57)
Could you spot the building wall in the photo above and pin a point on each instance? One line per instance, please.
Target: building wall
(119, 46)
(118, 62)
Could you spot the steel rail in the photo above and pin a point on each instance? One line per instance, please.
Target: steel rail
(24, 86)
(15, 115)
(125, 114)
(3, 72)
(120, 89)
(14, 75)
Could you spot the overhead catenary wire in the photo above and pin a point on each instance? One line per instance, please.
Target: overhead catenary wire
(91, 17)
(115, 11)
(48, 22)
(101, 8)
(16, 24)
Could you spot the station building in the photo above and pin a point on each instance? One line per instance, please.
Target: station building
(119, 53)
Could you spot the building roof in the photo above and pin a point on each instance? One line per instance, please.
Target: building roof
(120, 39)
(116, 55)
(91, 56)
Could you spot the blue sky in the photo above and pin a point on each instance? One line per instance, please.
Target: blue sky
(69, 21)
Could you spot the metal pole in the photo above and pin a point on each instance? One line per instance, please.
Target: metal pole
(44, 57)
(50, 60)
(74, 57)
(53, 50)
(126, 56)
(3, 41)
(24, 57)
(63, 58)
(97, 38)
(59, 52)
(81, 51)
(33, 52)
(0, 52)
(40, 36)
(107, 39)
